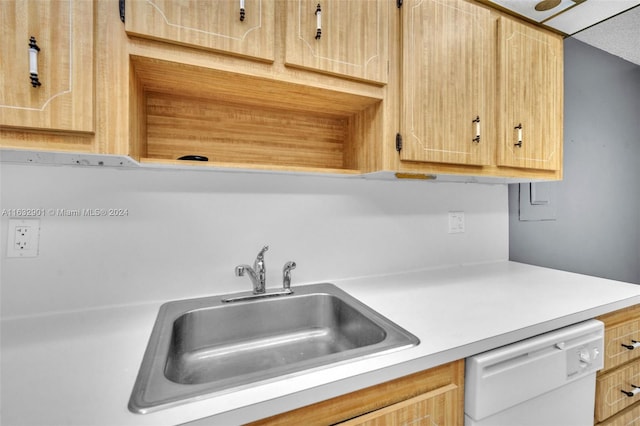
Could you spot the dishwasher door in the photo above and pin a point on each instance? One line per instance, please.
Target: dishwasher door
(547, 380)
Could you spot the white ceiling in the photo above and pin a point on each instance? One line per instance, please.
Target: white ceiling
(609, 25)
(619, 35)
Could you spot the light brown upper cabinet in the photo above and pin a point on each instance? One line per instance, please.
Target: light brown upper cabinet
(348, 38)
(47, 76)
(531, 97)
(345, 38)
(295, 85)
(245, 90)
(448, 89)
(481, 93)
(217, 25)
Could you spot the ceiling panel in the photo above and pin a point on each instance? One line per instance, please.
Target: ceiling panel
(609, 25)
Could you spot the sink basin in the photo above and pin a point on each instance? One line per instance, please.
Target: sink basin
(199, 347)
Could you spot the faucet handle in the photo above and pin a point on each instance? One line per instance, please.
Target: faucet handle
(286, 274)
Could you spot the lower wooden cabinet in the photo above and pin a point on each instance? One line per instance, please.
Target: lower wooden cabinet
(617, 398)
(435, 408)
(615, 390)
(430, 397)
(628, 417)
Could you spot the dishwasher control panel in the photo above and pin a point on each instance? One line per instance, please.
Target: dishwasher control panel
(585, 358)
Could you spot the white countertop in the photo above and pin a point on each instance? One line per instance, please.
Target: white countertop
(78, 368)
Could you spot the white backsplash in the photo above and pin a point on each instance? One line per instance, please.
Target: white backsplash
(186, 230)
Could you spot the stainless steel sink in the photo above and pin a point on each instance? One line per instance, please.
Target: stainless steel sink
(199, 347)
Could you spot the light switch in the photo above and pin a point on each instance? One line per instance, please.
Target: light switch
(538, 201)
(540, 193)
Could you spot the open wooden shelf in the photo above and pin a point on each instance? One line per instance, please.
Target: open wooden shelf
(245, 121)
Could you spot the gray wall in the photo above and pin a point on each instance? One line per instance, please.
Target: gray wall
(597, 226)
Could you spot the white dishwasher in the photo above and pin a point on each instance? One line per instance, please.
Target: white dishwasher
(547, 380)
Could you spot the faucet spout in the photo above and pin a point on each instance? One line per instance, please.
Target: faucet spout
(260, 269)
(258, 286)
(257, 273)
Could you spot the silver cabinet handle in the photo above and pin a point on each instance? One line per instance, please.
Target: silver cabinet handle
(519, 129)
(33, 62)
(242, 10)
(318, 22)
(477, 121)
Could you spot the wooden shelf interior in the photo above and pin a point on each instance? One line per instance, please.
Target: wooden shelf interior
(242, 121)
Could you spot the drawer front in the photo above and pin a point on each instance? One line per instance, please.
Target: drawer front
(610, 397)
(435, 408)
(430, 397)
(619, 346)
(629, 417)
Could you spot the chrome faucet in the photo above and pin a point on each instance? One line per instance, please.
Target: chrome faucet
(257, 274)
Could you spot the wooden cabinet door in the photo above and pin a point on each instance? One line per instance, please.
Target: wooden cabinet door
(435, 408)
(351, 40)
(448, 82)
(620, 343)
(531, 97)
(217, 25)
(63, 31)
(627, 417)
(612, 389)
(430, 397)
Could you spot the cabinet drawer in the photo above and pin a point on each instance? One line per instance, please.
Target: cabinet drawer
(609, 390)
(628, 417)
(427, 396)
(618, 344)
(434, 408)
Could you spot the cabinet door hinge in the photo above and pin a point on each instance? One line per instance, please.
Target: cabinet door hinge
(398, 142)
(121, 6)
(399, 3)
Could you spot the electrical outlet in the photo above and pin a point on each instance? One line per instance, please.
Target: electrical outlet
(456, 222)
(23, 237)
